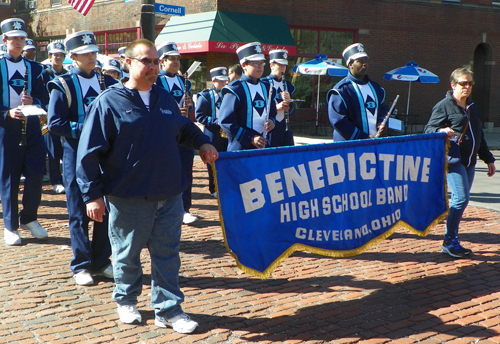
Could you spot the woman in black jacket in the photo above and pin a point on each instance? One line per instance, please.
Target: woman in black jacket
(458, 117)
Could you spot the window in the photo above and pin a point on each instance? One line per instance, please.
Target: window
(311, 42)
(26, 5)
(5, 2)
(55, 3)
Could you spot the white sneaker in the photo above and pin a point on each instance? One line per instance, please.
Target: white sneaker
(83, 278)
(214, 195)
(189, 218)
(181, 323)
(36, 229)
(59, 189)
(108, 272)
(129, 314)
(11, 238)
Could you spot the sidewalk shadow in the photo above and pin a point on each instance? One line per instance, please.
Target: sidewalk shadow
(387, 310)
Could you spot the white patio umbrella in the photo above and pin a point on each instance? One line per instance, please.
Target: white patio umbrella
(320, 65)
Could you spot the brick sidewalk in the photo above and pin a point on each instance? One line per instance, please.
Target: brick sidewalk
(401, 291)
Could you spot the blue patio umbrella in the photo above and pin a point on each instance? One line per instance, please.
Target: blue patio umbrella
(411, 72)
(320, 65)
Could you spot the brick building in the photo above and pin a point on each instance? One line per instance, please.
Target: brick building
(438, 35)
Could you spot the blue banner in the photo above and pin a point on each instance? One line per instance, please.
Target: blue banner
(336, 199)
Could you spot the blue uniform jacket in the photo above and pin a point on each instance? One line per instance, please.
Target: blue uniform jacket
(10, 129)
(177, 94)
(68, 121)
(49, 74)
(235, 115)
(127, 151)
(347, 116)
(280, 136)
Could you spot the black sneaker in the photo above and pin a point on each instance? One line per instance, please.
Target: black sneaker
(454, 249)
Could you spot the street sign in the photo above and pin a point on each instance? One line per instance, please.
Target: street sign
(170, 9)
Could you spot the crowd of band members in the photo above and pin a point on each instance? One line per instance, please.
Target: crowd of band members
(242, 110)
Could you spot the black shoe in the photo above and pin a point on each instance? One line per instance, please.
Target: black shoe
(454, 249)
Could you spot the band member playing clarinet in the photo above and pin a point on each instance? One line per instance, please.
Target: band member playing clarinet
(70, 96)
(21, 84)
(207, 110)
(57, 54)
(248, 109)
(356, 104)
(281, 135)
(179, 88)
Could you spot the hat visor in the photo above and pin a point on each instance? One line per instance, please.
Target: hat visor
(356, 56)
(280, 61)
(16, 33)
(170, 53)
(85, 49)
(55, 51)
(256, 57)
(28, 47)
(113, 68)
(221, 78)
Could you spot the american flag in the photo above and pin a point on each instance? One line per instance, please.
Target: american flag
(82, 6)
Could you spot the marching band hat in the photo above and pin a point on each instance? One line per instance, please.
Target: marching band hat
(279, 57)
(29, 44)
(167, 49)
(56, 47)
(3, 48)
(112, 64)
(219, 73)
(81, 42)
(353, 52)
(250, 52)
(121, 51)
(13, 27)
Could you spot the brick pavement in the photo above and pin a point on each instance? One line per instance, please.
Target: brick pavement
(401, 291)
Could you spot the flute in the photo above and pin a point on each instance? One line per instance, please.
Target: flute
(287, 114)
(382, 125)
(25, 120)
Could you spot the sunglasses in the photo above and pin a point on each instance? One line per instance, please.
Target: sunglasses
(256, 63)
(465, 83)
(147, 61)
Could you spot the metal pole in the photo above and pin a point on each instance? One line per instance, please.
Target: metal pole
(148, 20)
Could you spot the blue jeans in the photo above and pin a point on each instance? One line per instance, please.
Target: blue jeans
(460, 180)
(135, 223)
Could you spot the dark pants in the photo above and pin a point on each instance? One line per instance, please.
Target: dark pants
(187, 159)
(55, 153)
(87, 255)
(15, 160)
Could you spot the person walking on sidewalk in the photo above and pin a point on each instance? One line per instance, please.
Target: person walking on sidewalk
(70, 96)
(180, 89)
(127, 147)
(459, 118)
(22, 149)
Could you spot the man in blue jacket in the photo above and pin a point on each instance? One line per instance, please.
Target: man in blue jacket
(21, 144)
(207, 110)
(70, 96)
(248, 108)
(128, 158)
(356, 104)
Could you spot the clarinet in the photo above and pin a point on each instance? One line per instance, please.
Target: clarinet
(186, 102)
(25, 120)
(287, 115)
(101, 81)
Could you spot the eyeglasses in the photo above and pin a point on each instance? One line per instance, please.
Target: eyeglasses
(256, 63)
(465, 83)
(146, 61)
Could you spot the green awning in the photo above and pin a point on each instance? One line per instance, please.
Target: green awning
(226, 31)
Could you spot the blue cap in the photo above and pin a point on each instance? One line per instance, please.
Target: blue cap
(13, 27)
(167, 49)
(353, 52)
(279, 57)
(81, 42)
(56, 47)
(112, 64)
(219, 73)
(29, 44)
(250, 52)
